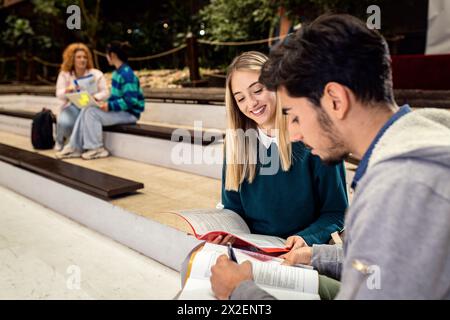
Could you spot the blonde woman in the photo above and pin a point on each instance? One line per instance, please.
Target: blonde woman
(77, 64)
(279, 188)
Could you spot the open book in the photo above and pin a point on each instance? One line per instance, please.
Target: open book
(87, 83)
(283, 282)
(82, 99)
(208, 224)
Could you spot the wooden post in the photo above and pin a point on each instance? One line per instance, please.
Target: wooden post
(2, 71)
(285, 24)
(18, 67)
(96, 63)
(31, 69)
(192, 57)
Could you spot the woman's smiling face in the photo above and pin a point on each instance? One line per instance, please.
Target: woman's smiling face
(80, 60)
(252, 98)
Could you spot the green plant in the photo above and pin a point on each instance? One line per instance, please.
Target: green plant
(234, 20)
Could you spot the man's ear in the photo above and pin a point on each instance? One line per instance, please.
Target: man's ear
(336, 100)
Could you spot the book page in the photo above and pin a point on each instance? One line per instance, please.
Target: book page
(281, 281)
(268, 273)
(282, 294)
(82, 99)
(200, 289)
(206, 258)
(87, 83)
(204, 221)
(263, 241)
(285, 277)
(242, 255)
(197, 289)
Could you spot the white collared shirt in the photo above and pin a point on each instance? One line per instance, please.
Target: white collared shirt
(265, 139)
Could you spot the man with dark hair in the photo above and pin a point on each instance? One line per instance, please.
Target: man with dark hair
(335, 86)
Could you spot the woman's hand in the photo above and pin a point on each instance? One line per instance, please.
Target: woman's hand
(300, 252)
(223, 240)
(295, 242)
(70, 89)
(300, 255)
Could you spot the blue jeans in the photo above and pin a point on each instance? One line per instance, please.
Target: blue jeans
(66, 122)
(87, 133)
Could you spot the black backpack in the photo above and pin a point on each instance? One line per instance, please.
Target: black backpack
(42, 130)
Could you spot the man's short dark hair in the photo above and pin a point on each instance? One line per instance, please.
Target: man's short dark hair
(333, 48)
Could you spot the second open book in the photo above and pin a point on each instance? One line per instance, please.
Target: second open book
(82, 99)
(282, 282)
(208, 224)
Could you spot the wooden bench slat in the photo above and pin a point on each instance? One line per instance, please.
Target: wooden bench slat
(17, 113)
(165, 133)
(216, 95)
(417, 97)
(80, 178)
(146, 130)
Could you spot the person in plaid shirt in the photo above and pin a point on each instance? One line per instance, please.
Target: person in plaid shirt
(124, 106)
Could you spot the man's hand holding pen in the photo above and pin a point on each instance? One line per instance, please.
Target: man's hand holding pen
(227, 274)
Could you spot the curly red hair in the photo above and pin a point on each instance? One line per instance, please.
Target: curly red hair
(69, 56)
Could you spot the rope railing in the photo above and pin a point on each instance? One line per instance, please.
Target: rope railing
(154, 56)
(158, 55)
(42, 79)
(37, 59)
(162, 54)
(57, 65)
(241, 43)
(7, 59)
(46, 63)
(99, 53)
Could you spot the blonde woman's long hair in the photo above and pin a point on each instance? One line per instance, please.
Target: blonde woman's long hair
(241, 154)
(69, 56)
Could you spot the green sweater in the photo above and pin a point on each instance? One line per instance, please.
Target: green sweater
(126, 92)
(309, 200)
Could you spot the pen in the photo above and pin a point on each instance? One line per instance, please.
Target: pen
(76, 85)
(231, 253)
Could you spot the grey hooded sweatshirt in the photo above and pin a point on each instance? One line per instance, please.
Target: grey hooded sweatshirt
(397, 242)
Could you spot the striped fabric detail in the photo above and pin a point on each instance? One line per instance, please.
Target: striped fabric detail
(126, 92)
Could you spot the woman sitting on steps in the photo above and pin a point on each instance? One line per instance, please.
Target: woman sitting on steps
(124, 106)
